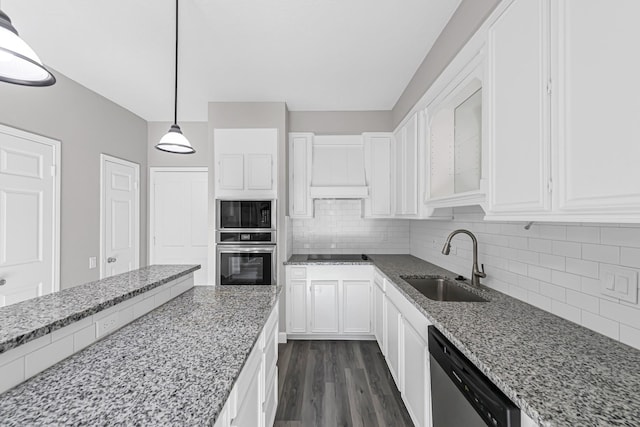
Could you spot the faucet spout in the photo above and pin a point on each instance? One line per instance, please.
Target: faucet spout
(476, 273)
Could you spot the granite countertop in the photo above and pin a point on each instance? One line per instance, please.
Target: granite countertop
(28, 320)
(559, 373)
(174, 366)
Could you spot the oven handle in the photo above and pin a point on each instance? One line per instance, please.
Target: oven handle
(244, 249)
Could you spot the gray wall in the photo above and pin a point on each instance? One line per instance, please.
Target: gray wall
(463, 24)
(88, 125)
(340, 122)
(196, 133)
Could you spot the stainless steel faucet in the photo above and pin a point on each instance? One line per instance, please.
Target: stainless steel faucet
(476, 273)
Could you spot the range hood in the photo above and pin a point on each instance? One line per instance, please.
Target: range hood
(337, 170)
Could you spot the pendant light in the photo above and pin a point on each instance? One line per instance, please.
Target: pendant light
(19, 64)
(174, 141)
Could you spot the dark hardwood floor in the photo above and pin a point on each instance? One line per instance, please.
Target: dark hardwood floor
(336, 383)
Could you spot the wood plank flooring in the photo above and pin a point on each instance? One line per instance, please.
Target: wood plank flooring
(336, 383)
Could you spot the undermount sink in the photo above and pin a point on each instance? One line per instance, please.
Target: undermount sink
(442, 289)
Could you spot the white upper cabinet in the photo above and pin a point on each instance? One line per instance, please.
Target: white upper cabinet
(406, 173)
(596, 96)
(300, 202)
(563, 100)
(518, 107)
(245, 162)
(378, 153)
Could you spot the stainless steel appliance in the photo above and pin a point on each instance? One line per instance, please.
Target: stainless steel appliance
(246, 265)
(238, 215)
(461, 395)
(246, 242)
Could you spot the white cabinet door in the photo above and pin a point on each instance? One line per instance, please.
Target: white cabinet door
(378, 170)
(356, 303)
(518, 108)
(297, 301)
(231, 172)
(300, 204)
(259, 171)
(417, 390)
(400, 149)
(249, 409)
(393, 327)
(324, 306)
(411, 167)
(379, 317)
(597, 102)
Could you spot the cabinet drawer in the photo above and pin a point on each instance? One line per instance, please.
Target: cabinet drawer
(298, 273)
(378, 279)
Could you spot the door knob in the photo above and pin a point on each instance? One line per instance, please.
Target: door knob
(111, 259)
(3, 282)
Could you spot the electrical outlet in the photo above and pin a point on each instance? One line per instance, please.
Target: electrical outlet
(619, 282)
(92, 262)
(107, 325)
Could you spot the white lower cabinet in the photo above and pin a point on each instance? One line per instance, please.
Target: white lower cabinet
(417, 386)
(324, 306)
(378, 312)
(394, 340)
(254, 397)
(331, 301)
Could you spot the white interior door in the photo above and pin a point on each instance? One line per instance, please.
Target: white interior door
(29, 193)
(120, 216)
(179, 218)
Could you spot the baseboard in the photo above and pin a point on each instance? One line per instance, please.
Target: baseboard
(326, 337)
(282, 338)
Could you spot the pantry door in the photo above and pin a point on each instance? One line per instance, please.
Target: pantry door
(29, 215)
(119, 216)
(178, 220)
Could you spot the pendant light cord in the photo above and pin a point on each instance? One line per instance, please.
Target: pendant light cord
(175, 99)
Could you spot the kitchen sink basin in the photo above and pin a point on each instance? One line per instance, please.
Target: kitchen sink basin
(442, 289)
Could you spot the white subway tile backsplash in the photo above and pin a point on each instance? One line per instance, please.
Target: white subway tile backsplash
(582, 267)
(569, 249)
(554, 262)
(11, 374)
(566, 311)
(630, 257)
(583, 301)
(601, 324)
(630, 336)
(583, 234)
(601, 253)
(555, 267)
(620, 236)
(555, 292)
(41, 359)
(338, 227)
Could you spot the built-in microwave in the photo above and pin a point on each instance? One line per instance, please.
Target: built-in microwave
(243, 265)
(257, 215)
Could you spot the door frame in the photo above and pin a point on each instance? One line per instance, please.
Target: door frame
(153, 171)
(57, 172)
(103, 159)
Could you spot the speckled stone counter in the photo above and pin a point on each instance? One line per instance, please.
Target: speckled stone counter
(559, 373)
(174, 366)
(28, 320)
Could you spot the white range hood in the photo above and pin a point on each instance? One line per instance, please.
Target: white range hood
(337, 170)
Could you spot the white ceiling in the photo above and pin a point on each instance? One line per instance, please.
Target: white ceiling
(312, 54)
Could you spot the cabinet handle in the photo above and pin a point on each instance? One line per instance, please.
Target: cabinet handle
(3, 282)
(111, 260)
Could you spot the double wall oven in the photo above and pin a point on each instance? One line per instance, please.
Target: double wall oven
(246, 242)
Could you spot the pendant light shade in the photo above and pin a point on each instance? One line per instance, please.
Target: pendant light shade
(19, 64)
(174, 141)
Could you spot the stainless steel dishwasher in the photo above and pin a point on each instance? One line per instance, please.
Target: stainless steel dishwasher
(461, 395)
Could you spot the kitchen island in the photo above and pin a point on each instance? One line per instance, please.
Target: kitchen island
(176, 365)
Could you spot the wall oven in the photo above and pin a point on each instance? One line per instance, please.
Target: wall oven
(246, 242)
(246, 265)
